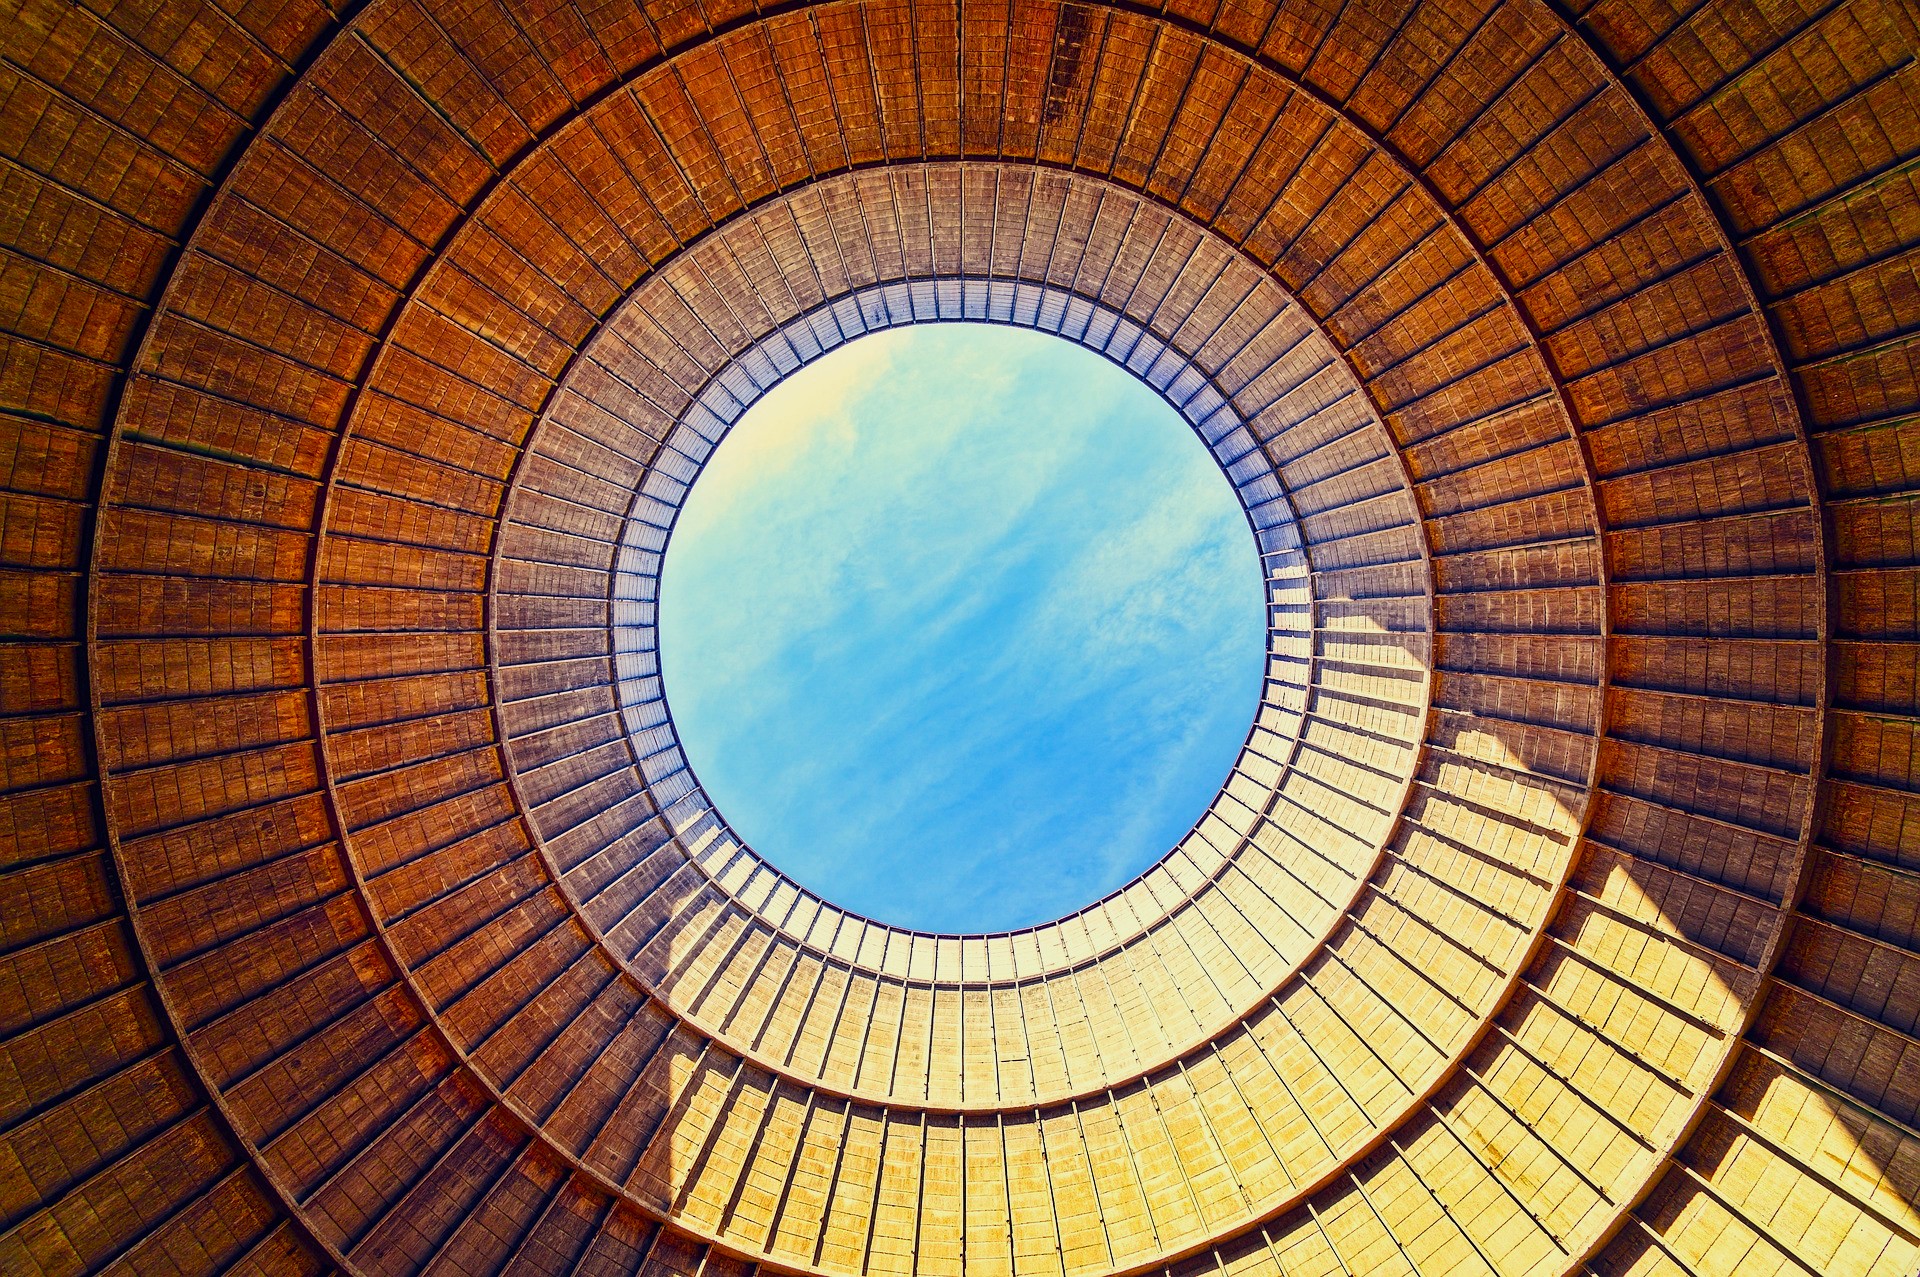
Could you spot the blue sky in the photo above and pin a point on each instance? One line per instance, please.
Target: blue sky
(961, 627)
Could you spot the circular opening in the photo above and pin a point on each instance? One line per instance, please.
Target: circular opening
(962, 627)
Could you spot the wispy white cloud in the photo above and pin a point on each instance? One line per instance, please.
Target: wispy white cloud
(962, 626)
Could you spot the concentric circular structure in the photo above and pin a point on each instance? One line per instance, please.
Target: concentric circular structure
(1561, 915)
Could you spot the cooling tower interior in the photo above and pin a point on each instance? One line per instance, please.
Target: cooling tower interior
(360, 913)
